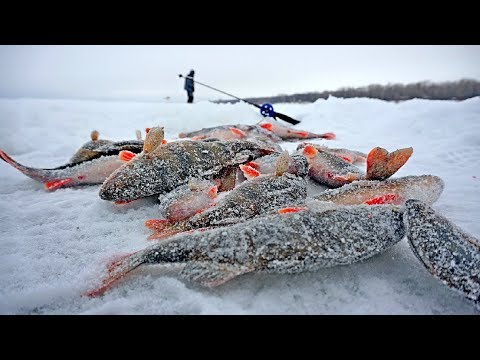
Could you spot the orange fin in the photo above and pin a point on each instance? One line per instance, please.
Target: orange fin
(117, 270)
(157, 224)
(126, 155)
(249, 172)
(267, 126)
(238, 132)
(310, 151)
(381, 164)
(56, 184)
(383, 199)
(291, 209)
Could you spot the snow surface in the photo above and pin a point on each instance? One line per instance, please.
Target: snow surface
(55, 245)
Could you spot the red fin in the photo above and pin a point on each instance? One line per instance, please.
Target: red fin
(249, 172)
(252, 164)
(116, 259)
(267, 126)
(53, 185)
(212, 192)
(383, 199)
(328, 136)
(164, 142)
(310, 151)
(126, 155)
(9, 160)
(300, 133)
(238, 132)
(291, 209)
(157, 224)
(117, 270)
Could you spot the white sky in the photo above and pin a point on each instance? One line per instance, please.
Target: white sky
(135, 72)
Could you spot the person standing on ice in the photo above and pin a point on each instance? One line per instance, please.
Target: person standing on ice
(189, 86)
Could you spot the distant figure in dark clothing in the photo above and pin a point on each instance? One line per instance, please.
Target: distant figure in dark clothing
(189, 86)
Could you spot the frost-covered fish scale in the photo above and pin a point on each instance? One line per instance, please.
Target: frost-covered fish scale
(250, 199)
(174, 164)
(287, 243)
(447, 252)
(426, 188)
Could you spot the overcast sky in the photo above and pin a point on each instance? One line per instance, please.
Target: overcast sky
(151, 72)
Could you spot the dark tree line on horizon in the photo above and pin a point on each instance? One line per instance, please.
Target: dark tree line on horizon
(452, 90)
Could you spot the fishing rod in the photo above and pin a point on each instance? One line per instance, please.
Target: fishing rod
(265, 109)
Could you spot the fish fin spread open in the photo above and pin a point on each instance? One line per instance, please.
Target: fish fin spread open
(126, 155)
(381, 164)
(212, 274)
(116, 270)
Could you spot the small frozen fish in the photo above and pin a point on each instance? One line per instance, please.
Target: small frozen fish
(288, 133)
(90, 165)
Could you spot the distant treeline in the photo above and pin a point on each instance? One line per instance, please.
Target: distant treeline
(452, 90)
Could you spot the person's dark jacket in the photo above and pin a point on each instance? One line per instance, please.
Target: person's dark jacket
(189, 83)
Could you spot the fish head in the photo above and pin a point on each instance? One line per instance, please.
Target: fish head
(129, 182)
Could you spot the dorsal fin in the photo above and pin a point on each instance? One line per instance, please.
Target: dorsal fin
(283, 161)
(153, 139)
(94, 135)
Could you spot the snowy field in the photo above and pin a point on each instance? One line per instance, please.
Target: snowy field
(54, 245)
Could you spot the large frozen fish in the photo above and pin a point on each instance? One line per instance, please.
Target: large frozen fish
(331, 170)
(166, 167)
(447, 252)
(281, 243)
(90, 165)
(426, 188)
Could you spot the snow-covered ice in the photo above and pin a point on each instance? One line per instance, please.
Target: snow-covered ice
(55, 245)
